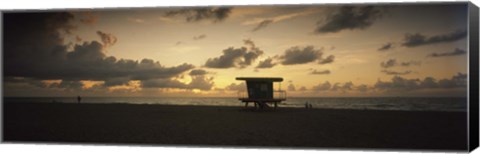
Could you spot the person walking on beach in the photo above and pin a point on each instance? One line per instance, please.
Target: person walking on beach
(79, 99)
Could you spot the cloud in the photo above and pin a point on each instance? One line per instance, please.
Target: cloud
(410, 63)
(302, 88)
(136, 20)
(347, 86)
(417, 39)
(198, 82)
(65, 84)
(322, 86)
(291, 87)
(389, 63)
(78, 38)
(455, 52)
(267, 63)
(198, 72)
(108, 39)
(163, 83)
(302, 55)
(393, 62)
(236, 57)
(386, 47)
(34, 47)
(324, 72)
(388, 72)
(402, 84)
(362, 88)
(237, 87)
(88, 17)
(116, 81)
(459, 80)
(215, 14)
(262, 25)
(201, 83)
(351, 18)
(327, 60)
(298, 55)
(199, 37)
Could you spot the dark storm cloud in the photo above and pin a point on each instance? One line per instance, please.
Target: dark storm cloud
(236, 57)
(107, 38)
(34, 49)
(386, 47)
(322, 86)
(349, 17)
(327, 60)
(324, 72)
(199, 37)
(417, 39)
(262, 25)
(399, 83)
(389, 72)
(216, 14)
(267, 63)
(455, 52)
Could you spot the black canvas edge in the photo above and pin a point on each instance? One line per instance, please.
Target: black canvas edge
(2, 117)
(473, 101)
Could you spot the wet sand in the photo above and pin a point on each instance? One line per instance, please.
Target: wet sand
(233, 126)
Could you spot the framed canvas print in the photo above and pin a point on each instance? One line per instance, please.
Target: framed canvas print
(386, 76)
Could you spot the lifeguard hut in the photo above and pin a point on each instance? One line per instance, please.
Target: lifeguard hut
(260, 91)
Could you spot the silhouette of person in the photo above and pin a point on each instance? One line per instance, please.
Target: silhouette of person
(310, 106)
(79, 99)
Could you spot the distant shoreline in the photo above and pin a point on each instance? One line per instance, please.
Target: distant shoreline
(404, 104)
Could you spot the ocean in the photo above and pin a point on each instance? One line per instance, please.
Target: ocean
(369, 103)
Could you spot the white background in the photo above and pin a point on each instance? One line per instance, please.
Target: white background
(107, 149)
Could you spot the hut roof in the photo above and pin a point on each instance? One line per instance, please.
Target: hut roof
(260, 79)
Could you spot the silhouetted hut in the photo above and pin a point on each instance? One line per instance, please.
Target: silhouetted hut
(260, 91)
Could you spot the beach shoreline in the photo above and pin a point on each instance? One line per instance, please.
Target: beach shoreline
(233, 126)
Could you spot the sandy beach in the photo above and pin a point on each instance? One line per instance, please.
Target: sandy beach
(233, 126)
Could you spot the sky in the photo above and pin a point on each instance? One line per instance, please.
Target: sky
(408, 50)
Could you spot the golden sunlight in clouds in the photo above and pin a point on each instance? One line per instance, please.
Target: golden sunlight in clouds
(319, 50)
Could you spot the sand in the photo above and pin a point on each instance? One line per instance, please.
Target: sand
(233, 126)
